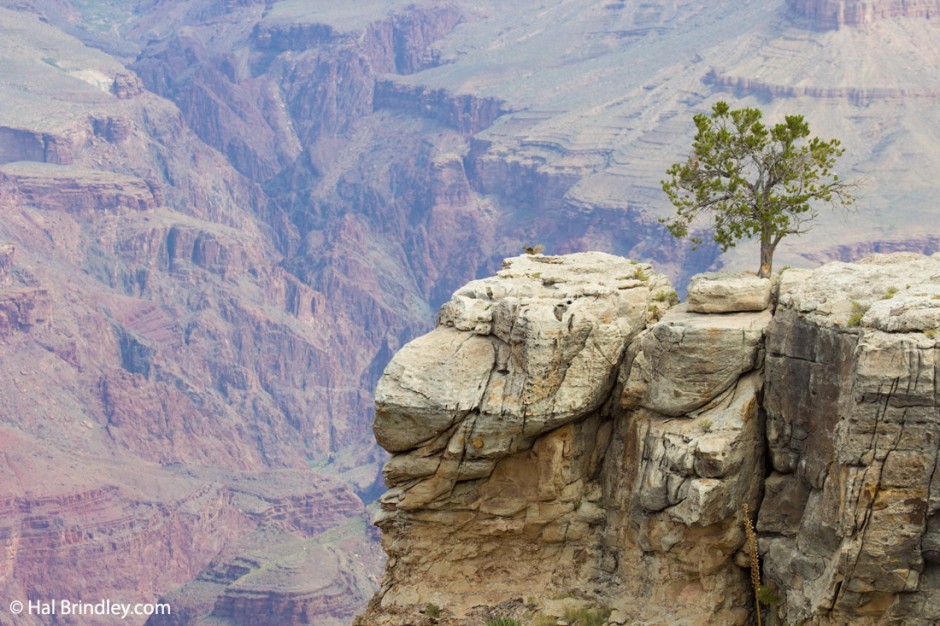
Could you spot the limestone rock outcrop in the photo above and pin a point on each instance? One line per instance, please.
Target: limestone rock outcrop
(559, 435)
(714, 292)
(687, 359)
(516, 467)
(498, 422)
(849, 523)
(516, 355)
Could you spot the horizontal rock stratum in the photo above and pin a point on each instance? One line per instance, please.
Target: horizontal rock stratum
(568, 438)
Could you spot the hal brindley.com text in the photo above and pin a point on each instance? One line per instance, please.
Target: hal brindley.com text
(100, 609)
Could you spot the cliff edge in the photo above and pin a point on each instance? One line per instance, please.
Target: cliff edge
(570, 438)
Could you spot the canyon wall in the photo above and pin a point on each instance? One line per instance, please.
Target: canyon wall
(568, 437)
(219, 220)
(837, 13)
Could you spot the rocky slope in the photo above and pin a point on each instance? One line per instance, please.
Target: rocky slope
(566, 437)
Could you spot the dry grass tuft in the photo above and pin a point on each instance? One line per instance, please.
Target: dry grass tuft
(755, 564)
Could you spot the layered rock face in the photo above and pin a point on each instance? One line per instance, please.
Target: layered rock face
(566, 431)
(518, 426)
(498, 422)
(850, 522)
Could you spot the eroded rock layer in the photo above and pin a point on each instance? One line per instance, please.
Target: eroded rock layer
(835, 13)
(567, 438)
(849, 524)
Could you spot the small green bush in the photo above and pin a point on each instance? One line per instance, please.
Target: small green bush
(667, 296)
(858, 312)
(768, 596)
(432, 610)
(503, 621)
(890, 293)
(587, 617)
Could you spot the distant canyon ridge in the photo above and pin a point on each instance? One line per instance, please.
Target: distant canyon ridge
(219, 219)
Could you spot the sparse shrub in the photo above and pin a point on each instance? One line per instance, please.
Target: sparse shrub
(639, 274)
(858, 312)
(432, 610)
(667, 296)
(503, 621)
(587, 617)
(544, 620)
(706, 425)
(890, 293)
(768, 596)
(931, 333)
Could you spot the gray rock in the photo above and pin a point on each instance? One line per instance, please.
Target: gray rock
(725, 292)
(852, 427)
(527, 351)
(686, 360)
(514, 467)
(788, 280)
(431, 383)
(699, 471)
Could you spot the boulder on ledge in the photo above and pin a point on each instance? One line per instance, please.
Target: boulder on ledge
(726, 292)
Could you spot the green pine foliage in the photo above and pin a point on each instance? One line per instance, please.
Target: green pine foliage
(752, 180)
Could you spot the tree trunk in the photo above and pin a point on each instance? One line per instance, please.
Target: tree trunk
(767, 245)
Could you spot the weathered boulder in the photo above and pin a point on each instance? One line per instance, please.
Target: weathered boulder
(515, 356)
(725, 292)
(788, 280)
(686, 360)
(674, 490)
(847, 526)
